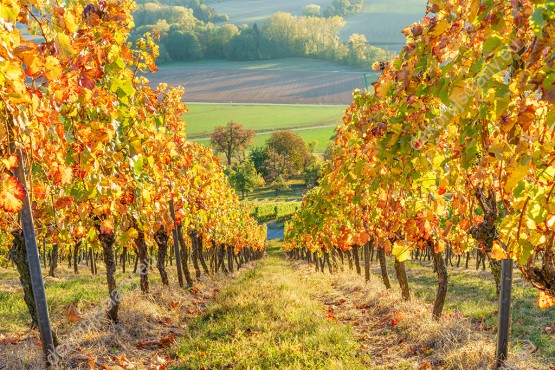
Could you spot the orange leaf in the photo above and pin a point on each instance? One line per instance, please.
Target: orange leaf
(39, 190)
(156, 342)
(545, 300)
(11, 194)
(73, 314)
(106, 227)
(123, 362)
(175, 304)
(10, 339)
(63, 202)
(79, 232)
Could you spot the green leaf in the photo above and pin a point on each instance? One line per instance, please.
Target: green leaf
(537, 213)
(492, 43)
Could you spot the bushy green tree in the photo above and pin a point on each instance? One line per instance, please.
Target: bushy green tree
(312, 171)
(280, 184)
(184, 46)
(244, 46)
(244, 178)
(258, 156)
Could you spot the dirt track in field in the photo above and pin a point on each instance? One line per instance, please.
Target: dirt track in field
(262, 86)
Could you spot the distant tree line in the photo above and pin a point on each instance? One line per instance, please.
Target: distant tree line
(341, 8)
(187, 33)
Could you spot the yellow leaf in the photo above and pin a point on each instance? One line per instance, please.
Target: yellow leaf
(9, 10)
(52, 68)
(401, 251)
(514, 176)
(498, 253)
(551, 223)
(439, 28)
(500, 149)
(132, 233)
(64, 45)
(10, 162)
(12, 71)
(69, 20)
(441, 245)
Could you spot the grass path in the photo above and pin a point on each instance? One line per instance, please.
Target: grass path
(284, 315)
(270, 319)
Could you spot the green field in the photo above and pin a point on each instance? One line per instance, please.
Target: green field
(308, 121)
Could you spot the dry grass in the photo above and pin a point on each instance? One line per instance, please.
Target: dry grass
(147, 319)
(403, 335)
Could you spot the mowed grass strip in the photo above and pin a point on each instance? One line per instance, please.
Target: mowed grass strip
(322, 135)
(268, 319)
(203, 118)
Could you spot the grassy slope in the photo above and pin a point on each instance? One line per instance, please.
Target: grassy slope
(202, 118)
(472, 293)
(267, 320)
(381, 21)
(267, 194)
(284, 315)
(250, 11)
(14, 316)
(275, 317)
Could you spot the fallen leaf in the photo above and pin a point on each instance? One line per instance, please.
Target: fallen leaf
(73, 314)
(174, 304)
(156, 342)
(123, 362)
(10, 339)
(166, 320)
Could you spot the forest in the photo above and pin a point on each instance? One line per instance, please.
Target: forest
(193, 31)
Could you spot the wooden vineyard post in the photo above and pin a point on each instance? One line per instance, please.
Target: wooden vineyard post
(504, 312)
(176, 245)
(366, 250)
(33, 260)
